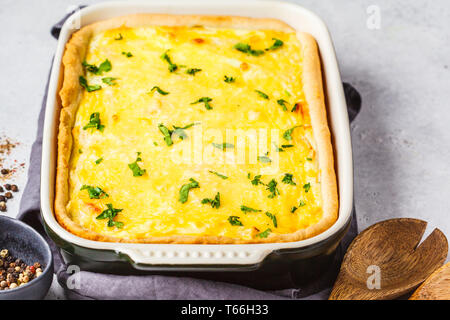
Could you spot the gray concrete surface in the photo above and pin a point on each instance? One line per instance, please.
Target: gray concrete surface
(401, 139)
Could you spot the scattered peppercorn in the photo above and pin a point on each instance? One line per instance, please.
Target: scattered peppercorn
(7, 186)
(8, 195)
(14, 188)
(14, 272)
(2, 206)
(2, 198)
(5, 171)
(1, 189)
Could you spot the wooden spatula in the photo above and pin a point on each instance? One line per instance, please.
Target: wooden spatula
(436, 287)
(385, 261)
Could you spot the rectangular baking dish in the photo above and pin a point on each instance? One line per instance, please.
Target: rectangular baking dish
(186, 257)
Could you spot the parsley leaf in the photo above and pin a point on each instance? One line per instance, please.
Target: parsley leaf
(94, 192)
(309, 159)
(223, 146)
(287, 146)
(287, 135)
(94, 122)
(110, 214)
(288, 179)
(219, 175)
(273, 218)
(119, 37)
(295, 107)
(215, 203)
(172, 66)
(105, 66)
(294, 208)
(272, 187)
(184, 191)
(228, 79)
(127, 54)
(167, 134)
(234, 221)
(179, 131)
(282, 103)
(277, 44)
(256, 180)
(264, 159)
(307, 187)
(246, 48)
(84, 84)
(264, 234)
(205, 100)
(160, 91)
(248, 209)
(193, 71)
(109, 81)
(262, 94)
(137, 171)
(302, 203)
(99, 160)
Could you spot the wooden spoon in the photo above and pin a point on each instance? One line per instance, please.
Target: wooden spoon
(390, 247)
(436, 287)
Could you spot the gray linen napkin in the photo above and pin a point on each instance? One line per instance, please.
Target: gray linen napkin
(107, 286)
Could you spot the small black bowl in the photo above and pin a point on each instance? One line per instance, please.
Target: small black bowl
(25, 243)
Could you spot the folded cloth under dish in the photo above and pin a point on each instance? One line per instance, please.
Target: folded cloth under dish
(106, 286)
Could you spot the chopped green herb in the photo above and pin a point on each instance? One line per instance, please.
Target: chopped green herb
(219, 175)
(109, 81)
(137, 171)
(294, 208)
(184, 191)
(288, 179)
(160, 91)
(272, 187)
(234, 221)
(248, 209)
(179, 131)
(223, 146)
(282, 103)
(127, 54)
(309, 159)
(277, 44)
(84, 84)
(94, 122)
(273, 218)
(287, 135)
(256, 180)
(94, 192)
(98, 160)
(119, 37)
(172, 66)
(110, 214)
(307, 187)
(193, 71)
(155, 143)
(302, 203)
(229, 79)
(262, 94)
(80, 151)
(246, 48)
(264, 234)
(264, 159)
(105, 66)
(167, 134)
(205, 100)
(215, 203)
(287, 93)
(285, 146)
(295, 107)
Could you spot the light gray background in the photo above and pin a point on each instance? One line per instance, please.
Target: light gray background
(401, 139)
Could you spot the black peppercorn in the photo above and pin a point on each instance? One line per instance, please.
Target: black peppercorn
(7, 186)
(2, 198)
(5, 171)
(8, 195)
(14, 188)
(1, 189)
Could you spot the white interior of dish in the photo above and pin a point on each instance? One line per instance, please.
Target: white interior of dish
(173, 254)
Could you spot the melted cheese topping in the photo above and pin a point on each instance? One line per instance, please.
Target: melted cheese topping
(131, 113)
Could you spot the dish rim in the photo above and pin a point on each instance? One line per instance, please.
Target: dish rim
(179, 254)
